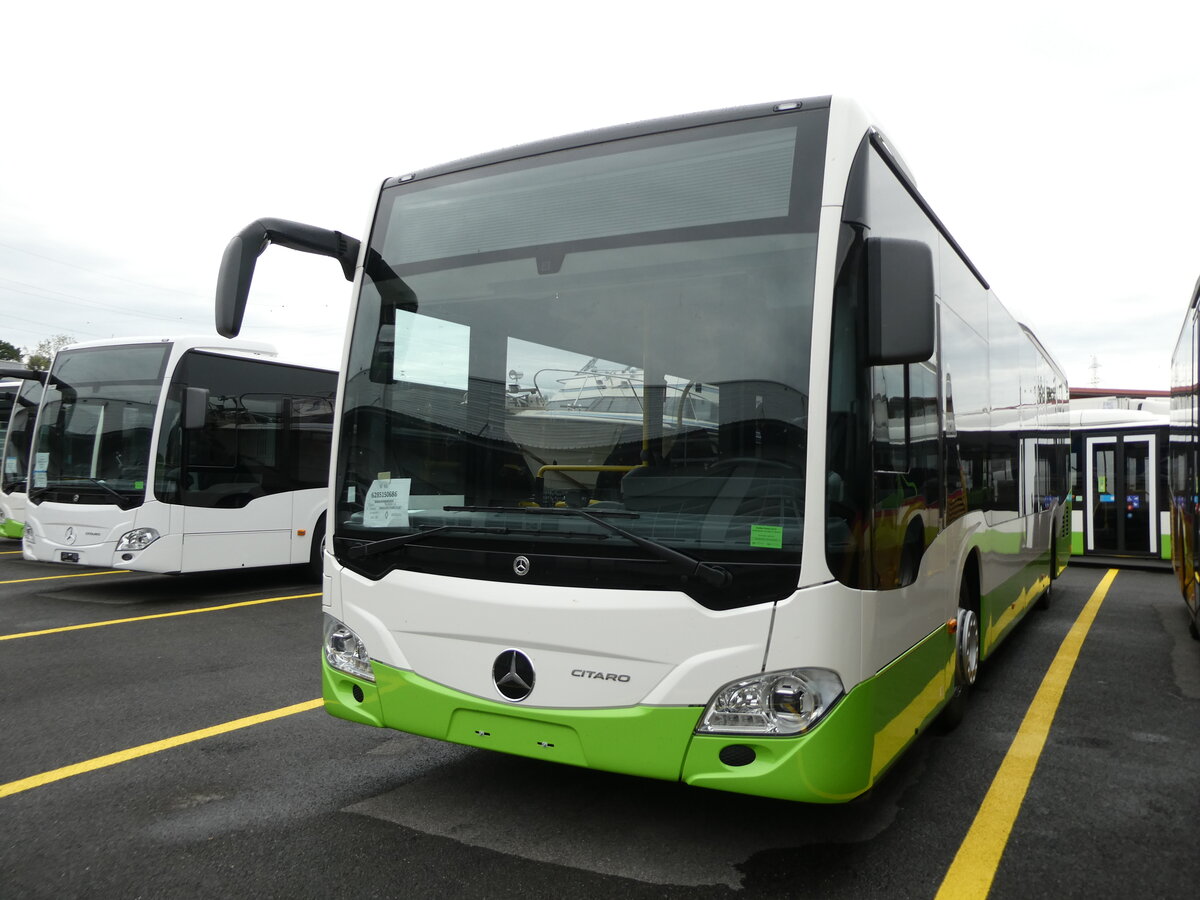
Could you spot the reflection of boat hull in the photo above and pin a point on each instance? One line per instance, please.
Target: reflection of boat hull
(570, 438)
(596, 419)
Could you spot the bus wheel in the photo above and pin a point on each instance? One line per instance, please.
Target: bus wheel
(316, 554)
(1193, 628)
(966, 661)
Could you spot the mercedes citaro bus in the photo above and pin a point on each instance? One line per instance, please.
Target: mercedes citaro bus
(694, 449)
(180, 455)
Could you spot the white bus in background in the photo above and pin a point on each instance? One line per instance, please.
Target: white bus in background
(180, 455)
(18, 434)
(1121, 507)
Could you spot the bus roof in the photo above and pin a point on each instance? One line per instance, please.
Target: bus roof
(616, 133)
(188, 342)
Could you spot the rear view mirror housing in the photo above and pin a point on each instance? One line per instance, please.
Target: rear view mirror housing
(900, 301)
(195, 408)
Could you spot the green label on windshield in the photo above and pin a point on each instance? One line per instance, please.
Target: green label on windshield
(769, 536)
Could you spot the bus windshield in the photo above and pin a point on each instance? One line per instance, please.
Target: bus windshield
(19, 437)
(95, 424)
(622, 329)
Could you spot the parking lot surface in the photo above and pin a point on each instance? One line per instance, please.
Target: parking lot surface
(163, 737)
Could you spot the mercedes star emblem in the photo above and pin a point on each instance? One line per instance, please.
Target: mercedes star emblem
(70, 535)
(521, 565)
(513, 674)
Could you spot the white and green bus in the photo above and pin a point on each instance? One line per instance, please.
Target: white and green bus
(693, 449)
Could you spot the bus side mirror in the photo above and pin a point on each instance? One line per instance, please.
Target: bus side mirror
(195, 408)
(900, 319)
(241, 254)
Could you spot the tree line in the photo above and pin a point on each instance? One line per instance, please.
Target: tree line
(39, 358)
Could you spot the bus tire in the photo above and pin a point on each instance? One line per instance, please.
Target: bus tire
(966, 657)
(1193, 627)
(315, 568)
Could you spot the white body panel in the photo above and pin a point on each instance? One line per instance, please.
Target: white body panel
(590, 648)
(263, 533)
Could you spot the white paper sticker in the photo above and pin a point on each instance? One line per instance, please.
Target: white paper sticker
(10, 465)
(39, 479)
(386, 503)
(41, 462)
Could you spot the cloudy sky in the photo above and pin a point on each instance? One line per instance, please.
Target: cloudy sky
(1056, 140)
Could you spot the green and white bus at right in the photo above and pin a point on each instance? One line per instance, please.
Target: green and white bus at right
(695, 449)
(1184, 464)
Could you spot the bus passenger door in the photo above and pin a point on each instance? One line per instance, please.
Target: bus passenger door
(238, 506)
(1122, 503)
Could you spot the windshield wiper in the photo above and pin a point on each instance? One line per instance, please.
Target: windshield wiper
(714, 576)
(385, 544)
(38, 493)
(382, 545)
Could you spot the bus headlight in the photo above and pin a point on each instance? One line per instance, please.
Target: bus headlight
(345, 652)
(782, 703)
(28, 536)
(138, 539)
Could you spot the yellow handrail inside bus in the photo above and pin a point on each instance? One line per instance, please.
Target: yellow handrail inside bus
(541, 473)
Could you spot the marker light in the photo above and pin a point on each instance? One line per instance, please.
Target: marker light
(773, 703)
(345, 652)
(138, 539)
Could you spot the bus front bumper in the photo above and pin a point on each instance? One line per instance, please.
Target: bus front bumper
(162, 556)
(830, 764)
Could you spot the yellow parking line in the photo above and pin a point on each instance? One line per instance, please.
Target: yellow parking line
(76, 575)
(9, 552)
(112, 759)
(166, 615)
(974, 867)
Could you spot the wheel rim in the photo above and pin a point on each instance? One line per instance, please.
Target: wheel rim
(967, 656)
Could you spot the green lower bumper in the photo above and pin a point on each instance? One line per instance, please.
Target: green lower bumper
(838, 760)
(11, 528)
(640, 740)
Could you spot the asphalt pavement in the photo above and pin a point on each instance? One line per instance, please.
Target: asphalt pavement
(158, 738)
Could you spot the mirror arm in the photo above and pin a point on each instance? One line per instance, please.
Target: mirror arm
(241, 254)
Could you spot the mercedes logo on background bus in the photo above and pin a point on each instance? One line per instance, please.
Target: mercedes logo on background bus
(513, 674)
(521, 565)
